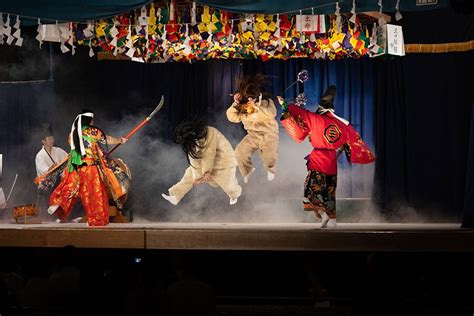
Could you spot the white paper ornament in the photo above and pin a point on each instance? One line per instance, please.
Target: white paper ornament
(193, 13)
(353, 12)
(88, 31)
(398, 15)
(91, 51)
(129, 43)
(1, 28)
(40, 36)
(130, 52)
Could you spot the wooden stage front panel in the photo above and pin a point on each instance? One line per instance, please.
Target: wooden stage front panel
(243, 236)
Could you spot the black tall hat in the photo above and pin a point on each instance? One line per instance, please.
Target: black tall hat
(45, 130)
(327, 100)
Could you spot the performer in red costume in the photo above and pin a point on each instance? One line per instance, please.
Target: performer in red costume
(85, 177)
(329, 134)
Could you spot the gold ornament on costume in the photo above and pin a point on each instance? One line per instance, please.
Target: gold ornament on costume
(245, 109)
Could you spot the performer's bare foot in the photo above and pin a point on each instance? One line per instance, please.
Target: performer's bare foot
(332, 223)
(77, 220)
(270, 176)
(324, 219)
(170, 198)
(246, 178)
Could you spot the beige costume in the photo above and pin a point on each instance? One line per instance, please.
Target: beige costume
(262, 134)
(218, 158)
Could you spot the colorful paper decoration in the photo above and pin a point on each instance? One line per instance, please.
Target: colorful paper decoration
(162, 34)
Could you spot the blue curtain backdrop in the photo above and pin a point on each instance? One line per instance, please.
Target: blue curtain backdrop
(423, 119)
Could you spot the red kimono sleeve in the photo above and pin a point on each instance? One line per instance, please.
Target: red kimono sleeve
(356, 150)
(297, 123)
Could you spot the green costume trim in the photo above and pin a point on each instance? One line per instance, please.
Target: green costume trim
(75, 158)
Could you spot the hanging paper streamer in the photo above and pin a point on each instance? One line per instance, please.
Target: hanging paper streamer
(353, 12)
(172, 18)
(131, 50)
(378, 41)
(143, 18)
(338, 17)
(381, 20)
(63, 37)
(113, 32)
(278, 43)
(89, 30)
(164, 45)
(1, 28)
(70, 39)
(40, 35)
(17, 32)
(299, 26)
(398, 15)
(193, 13)
(158, 15)
(7, 30)
(209, 31)
(152, 20)
(186, 47)
(91, 51)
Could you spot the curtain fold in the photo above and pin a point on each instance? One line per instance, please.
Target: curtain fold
(423, 115)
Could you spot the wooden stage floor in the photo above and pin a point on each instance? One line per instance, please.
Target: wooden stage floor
(244, 236)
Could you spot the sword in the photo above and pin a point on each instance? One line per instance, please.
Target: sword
(13, 186)
(142, 123)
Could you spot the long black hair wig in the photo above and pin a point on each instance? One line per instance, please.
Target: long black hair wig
(187, 134)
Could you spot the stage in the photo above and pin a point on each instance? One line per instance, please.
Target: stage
(388, 237)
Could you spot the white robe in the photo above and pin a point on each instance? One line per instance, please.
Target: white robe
(44, 162)
(262, 135)
(218, 159)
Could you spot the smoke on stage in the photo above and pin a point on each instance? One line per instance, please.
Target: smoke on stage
(157, 164)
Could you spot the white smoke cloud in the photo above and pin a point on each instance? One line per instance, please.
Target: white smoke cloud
(157, 164)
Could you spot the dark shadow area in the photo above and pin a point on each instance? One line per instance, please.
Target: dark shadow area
(72, 281)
